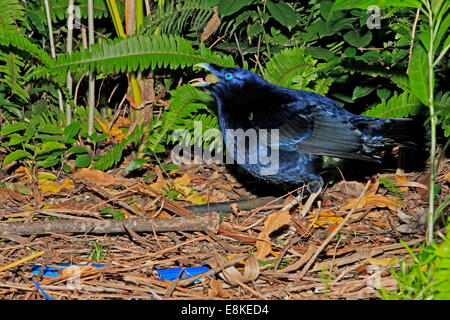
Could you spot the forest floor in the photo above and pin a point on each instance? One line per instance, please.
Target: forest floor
(88, 227)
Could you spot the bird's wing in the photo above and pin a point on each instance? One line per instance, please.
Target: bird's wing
(320, 132)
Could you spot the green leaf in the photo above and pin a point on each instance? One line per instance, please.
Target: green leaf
(325, 9)
(171, 166)
(77, 150)
(443, 30)
(36, 20)
(228, 7)
(283, 13)
(357, 40)
(15, 139)
(16, 155)
(82, 161)
(71, 131)
(418, 74)
(50, 161)
(13, 127)
(134, 165)
(343, 96)
(362, 91)
(254, 29)
(436, 5)
(107, 210)
(319, 52)
(31, 130)
(49, 146)
(49, 128)
(383, 93)
(22, 189)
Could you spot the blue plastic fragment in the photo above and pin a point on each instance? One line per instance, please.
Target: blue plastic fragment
(180, 273)
(42, 290)
(54, 271)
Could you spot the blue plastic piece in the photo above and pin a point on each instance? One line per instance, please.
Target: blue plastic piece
(42, 290)
(54, 271)
(180, 273)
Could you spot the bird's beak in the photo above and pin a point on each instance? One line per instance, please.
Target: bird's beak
(209, 79)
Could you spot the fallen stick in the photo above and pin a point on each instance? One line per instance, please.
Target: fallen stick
(208, 223)
(246, 204)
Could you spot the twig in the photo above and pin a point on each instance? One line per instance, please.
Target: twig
(191, 223)
(332, 234)
(232, 262)
(106, 195)
(293, 241)
(239, 48)
(254, 292)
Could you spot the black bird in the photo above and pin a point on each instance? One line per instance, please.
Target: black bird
(310, 130)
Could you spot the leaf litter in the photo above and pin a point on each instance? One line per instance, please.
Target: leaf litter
(258, 253)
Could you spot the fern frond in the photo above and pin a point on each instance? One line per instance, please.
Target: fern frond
(59, 9)
(14, 39)
(396, 75)
(292, 69)
(188, 105)
(138, 52)
(322, 85)
(10, 65)
(11, 14)
(398, 106)
(174, 18)
(113, 156)
(185, 102)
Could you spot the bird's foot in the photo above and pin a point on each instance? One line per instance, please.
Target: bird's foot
(313, 185)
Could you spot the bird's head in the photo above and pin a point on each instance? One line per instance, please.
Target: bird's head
(227, 82)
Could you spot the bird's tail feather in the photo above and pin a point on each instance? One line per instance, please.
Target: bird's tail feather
(408, 132)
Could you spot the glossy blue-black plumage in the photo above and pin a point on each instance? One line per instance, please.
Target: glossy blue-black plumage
(311, 127)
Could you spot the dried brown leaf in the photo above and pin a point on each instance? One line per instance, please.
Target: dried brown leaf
(272, 223)
(96, 177)
(211, 26)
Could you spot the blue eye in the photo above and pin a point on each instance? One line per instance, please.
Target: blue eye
(228, 76)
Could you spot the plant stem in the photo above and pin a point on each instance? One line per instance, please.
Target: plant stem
(52, 49)
(91, 98)
(430, 215)
(69, 49)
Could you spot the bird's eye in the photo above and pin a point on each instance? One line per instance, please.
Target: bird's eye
(228, 76)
